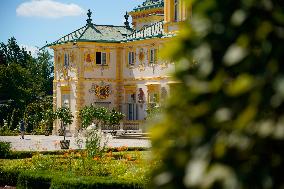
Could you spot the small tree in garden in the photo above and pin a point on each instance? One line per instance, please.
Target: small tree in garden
(87, 115)
(65, 116)
(114, 118)
(153, 111)
(48, 117)
(100, 116)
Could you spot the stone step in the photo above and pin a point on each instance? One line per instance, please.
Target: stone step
(131, 137)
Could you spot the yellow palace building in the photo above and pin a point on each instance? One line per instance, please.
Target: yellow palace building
(117, 66)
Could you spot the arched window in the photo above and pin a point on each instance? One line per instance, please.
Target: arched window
(176, 10)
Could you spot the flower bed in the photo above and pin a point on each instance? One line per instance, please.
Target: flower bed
(120, 169)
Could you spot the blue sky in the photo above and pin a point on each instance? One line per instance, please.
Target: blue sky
(33, 22)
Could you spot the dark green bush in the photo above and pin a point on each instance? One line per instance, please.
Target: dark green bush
(34, 180)
(8, 177)
(5, 149)
(29, 154)
(93, 182)
(42, 180)
(59, 180)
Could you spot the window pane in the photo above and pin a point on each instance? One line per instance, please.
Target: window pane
(151, 55)
(66, 61)
(130, 61)
(132, 57)
(104, 58)
(98, 58)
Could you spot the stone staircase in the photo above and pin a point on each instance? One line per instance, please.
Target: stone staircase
(129, 135)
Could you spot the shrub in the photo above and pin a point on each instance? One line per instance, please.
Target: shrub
(59, 180)
(5, 149)
(34, 180)
(94, 143)
(8, 177)
(65, 116)
(94, 182)
(101, 116)
(6, 131)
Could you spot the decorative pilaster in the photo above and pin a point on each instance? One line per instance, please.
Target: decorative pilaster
(119, 81)
(80, 94)
(54, 96)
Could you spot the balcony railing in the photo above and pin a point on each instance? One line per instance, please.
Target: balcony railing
(108, 127)
(131, 125)
(126, 125)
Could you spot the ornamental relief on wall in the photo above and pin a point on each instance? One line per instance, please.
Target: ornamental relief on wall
(89, 59)
(59, 65)
(73, 58)
(102, 91)
(66, 64)
(141, 56)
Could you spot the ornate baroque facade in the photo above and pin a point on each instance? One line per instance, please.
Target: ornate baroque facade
(116, 66)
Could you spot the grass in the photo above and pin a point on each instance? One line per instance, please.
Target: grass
(131, 166)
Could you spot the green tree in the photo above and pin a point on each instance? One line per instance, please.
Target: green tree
(223, 126)
(24, 80)
(100, 116)
(12, 53)
(65, 116)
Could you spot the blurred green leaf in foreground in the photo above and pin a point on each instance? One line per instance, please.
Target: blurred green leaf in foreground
(223, 126)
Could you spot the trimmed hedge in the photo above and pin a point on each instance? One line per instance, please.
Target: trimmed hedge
(34, 180)
(5, 149)
(94, 182)
(46, 180)
(29, 154)
(9, 177)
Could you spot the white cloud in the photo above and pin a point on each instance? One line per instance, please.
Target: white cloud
(48, 9)
(32, 49)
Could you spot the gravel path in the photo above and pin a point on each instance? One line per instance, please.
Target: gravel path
(48, 143)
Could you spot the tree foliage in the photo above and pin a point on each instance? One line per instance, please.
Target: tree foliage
(65, 116)
(99, 115)
(24, 81)
(223, 126)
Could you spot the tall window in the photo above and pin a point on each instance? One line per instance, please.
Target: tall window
(101, 58)
(66, 60)
(65, 100)
(153, 56)
(176, 13)
(131, 58)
